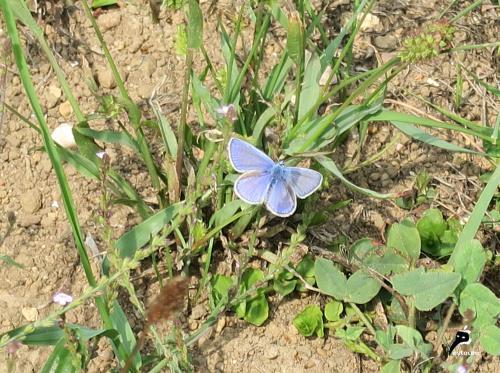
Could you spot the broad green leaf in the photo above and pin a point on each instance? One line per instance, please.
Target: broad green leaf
(429, 288)
(284, 283)
(490, 340)
(469, 261)
(393, 366)
(399, 351)
(125, 333)
(361, 249)
(330, 279)
(330, 165)
(361, 287)
(482, 302)
(388, 263)
(140, 235)
(295, 38)
(225, 213)
(195, 25)
(310, 321)
(404, 237)
(257, 310)
(333, 309)
(220, 288)
(431, 226)
(60, 360)
(413, 338)
(310, 86)
(385, 338)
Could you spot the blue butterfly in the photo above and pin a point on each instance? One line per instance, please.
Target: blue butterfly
(264, 181)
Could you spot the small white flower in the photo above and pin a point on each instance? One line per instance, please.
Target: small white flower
(461, 369)
(63, 135)
(227, 111)
(55, 204)
(100, 154)
(62, 298)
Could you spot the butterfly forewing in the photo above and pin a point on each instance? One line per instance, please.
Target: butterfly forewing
(252, 186)
(281, 200)
(245, 157)
(303, 181)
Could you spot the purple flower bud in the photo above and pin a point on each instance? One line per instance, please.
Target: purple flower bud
(12, 347)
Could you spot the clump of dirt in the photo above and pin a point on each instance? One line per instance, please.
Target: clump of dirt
(34, 230)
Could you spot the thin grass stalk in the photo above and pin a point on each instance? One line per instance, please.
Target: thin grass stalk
(132, 109)
(56, 163)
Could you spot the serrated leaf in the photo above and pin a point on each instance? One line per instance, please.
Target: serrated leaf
(429, 288)
(404, 237)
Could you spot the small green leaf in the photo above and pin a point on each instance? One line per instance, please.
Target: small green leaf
(393, 366)
(389, 263)
(490, 340)
(482, 302)
(469, 260)
(140, 235)
(254, 310)
(330, 279)
(429, 288)
(399, 351)
(101, 3)
(195, 25)
(405, 238)
(361, 287)
(413, 339)
(310, 321)
(284, 283)
(220, 288)
(60, 360)
(295, 38)
(431, 226)
(333, 310)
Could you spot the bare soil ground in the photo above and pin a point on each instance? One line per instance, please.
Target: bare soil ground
(33, 221)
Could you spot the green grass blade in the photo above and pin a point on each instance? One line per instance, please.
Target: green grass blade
(54, 158)
(140, 235)
(60, 360)
(111, 137)
(476, 217)
(420, 135)
(330, 165)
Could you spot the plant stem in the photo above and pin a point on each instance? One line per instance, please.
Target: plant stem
(181, 135)
(363, 317)
(444, 327)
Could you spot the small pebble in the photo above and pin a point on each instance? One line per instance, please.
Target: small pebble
(30, 313)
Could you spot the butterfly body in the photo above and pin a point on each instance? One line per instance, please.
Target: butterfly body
(264, 181)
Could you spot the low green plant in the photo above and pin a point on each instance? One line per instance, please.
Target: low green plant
(195, 211)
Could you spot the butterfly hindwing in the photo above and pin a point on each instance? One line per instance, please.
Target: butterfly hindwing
(303, 181)
(245, 157)
(253, 186)
(281, 199)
